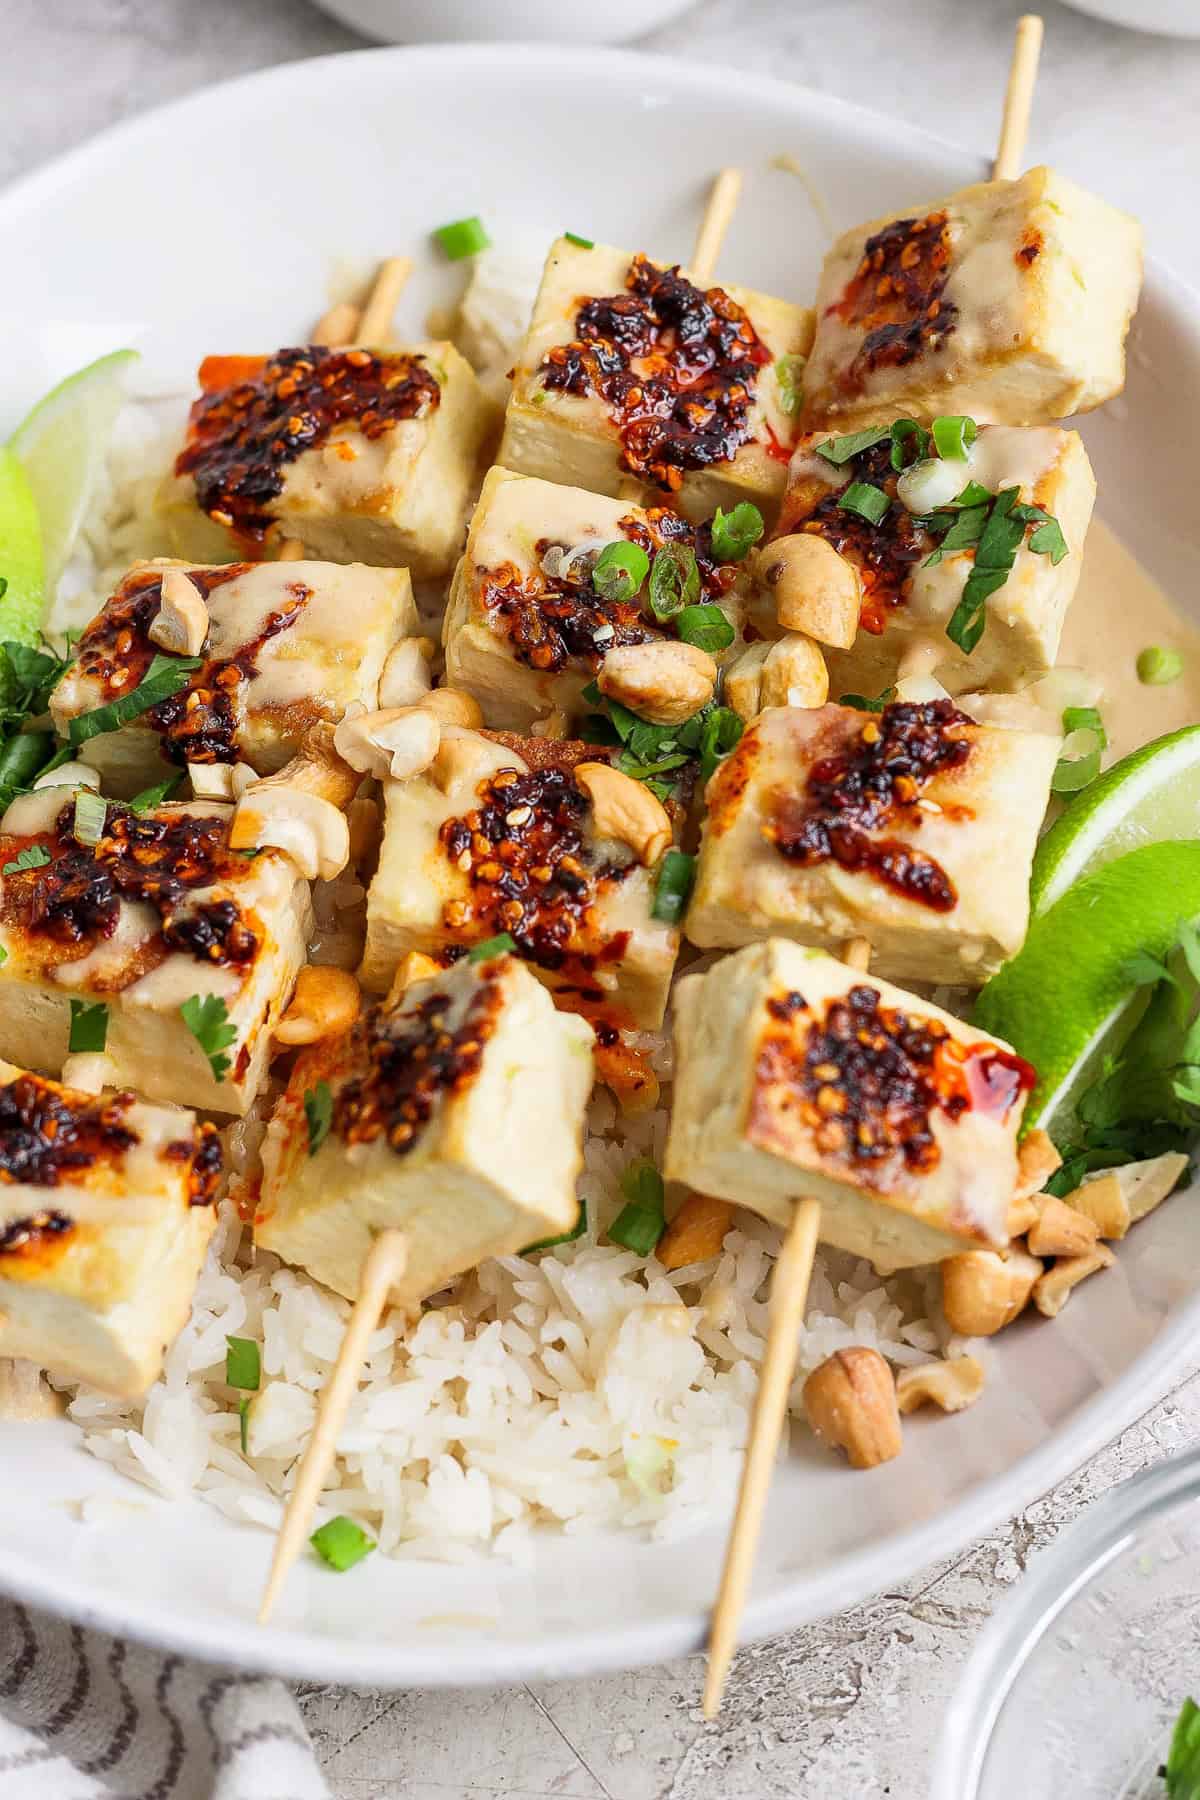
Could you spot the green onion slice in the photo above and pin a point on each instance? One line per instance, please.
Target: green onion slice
(865, 499)
(165, 676)
(1156, 666)
(706, 627)
(674, 580)
(318, 1115)
(953, 434)
(244, 1424)
(503, 945)
(676, 874)
(243, 1363)
(1085, 739)
(789, 375)
(89, 1027)
(90, 813)
(721, 733)
(564, 1237)
(341, 1543)
(462, 237)
(734, 533)
(910, 444)
(581, 243)
(620, 570)
(643, 1219)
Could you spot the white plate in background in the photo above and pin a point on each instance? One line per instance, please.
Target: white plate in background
(220, 224)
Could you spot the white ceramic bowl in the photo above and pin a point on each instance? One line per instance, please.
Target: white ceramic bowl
(505, 21)
(1166, 18)
(219, 223)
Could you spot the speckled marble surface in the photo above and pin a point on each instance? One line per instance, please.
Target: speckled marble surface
(851, 1706)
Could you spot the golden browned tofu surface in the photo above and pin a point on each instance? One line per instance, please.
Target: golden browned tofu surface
(1009, 301)
(913, 827)
(628, 370)
(797, 1075)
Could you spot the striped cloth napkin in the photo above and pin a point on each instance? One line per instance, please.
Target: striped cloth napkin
(88, 1717)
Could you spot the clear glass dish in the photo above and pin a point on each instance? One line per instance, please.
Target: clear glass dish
(1075, 1685)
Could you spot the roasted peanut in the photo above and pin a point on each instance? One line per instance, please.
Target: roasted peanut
(696, 1233)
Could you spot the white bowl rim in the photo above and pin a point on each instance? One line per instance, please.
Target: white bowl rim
(300, 1655)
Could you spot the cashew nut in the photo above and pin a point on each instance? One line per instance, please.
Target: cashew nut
(794, 673)
(458, 758)
(1146, 1184)
(324, 1004)
(850, 1401)
(696, 1233)
(983, 1291)
(301, 810)
(816, 590)
(665, 681)
(180, 625)
(88, 1072)
(220, 781)
(951, 1385)
(1061, 1231)
(1023, 1212)
(743, 680)
(400, 742)
(1102, 1200)
(405, 678)
(626, 810)
(452, 707)
(414, 965)
(1051, 1292)
(1037, 1159)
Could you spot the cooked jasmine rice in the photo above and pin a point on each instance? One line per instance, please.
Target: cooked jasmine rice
(578, 1388)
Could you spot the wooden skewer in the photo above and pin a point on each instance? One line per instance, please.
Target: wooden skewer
(375, 323)
(723, 198)
(384, 1266)
(789, 1296)
(1018, 98)
(336, 327)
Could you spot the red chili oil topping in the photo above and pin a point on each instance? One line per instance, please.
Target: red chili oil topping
(414, 1059)
(48, 1137)
(200, 722)
(523, 851)
(867, 1080)
(896, 296)
(876, 780)
(884, 554)
(242, 436)
(675, 365)
(159, 859)
(554, 619)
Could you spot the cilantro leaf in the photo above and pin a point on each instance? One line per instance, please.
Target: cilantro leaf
(34, 856)
(207, 1018)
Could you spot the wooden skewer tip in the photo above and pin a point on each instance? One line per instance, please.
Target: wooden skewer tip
(392, 279)
(337, 327)
(1018, 97)
(723, 199)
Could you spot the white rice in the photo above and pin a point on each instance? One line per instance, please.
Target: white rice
(582, 1388)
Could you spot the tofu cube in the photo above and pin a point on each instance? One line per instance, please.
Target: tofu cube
(1009, 301)
(457, 1118)
(106, 1207)
(628, 370)
(159, 912)
(497, 836)
(795, 1075)
(364, 455)
(289, 645)
(913, 828)
(526, 639)
(906, 604)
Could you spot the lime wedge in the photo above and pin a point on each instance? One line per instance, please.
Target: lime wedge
(1147, 798)
(20, 554)
(1064, 1001)
(62, 444)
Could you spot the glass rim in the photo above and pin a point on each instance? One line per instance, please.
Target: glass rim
(1055, 1576)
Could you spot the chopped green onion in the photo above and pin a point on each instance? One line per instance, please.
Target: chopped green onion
(581, 243)
(34, 856)
(207, 1018)
(503, 945)
(154, 796)
(3, 955)
(974, 494)
(862, 704)
(642, 1221)
(244, 1424)
(735, 532)
(341, 1543)
(676, 874)
(243, 1363)
(90, 813)
(564, 1237)
(462, 237)
(674, 580)
(906, 434)
(721, 733)
(1085, 739)
(865, 499)
(318, 1115)
(1156, 666)
(89, 1027)
(789, 374)
(841, 450)
(706, 627)
(165, 676)
(620, 570)
(953, 434)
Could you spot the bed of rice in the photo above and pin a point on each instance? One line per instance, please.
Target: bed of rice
(581, 1388)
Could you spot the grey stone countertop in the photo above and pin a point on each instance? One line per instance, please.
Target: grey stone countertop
(851, 1706)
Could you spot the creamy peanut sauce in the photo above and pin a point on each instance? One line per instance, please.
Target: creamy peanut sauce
(1117, 611)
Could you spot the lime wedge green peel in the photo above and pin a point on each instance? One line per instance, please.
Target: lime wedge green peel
(20, 554)
(1150, 797)
(61, 446)
(1064, 1002)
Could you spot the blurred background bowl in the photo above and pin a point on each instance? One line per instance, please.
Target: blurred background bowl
(1168, 18)
(478, 21)
(1075, 1686)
